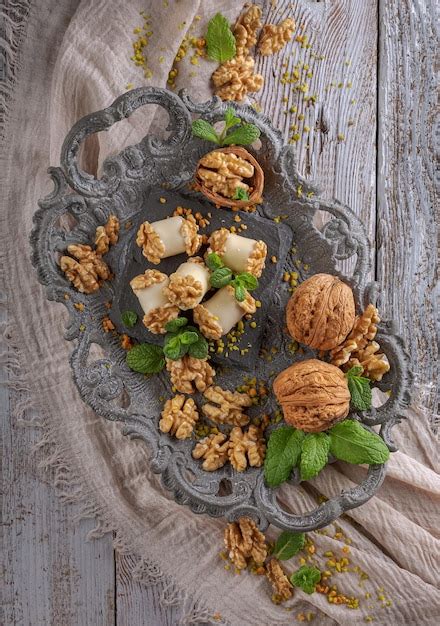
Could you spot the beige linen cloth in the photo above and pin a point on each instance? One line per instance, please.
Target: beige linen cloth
(69, 58)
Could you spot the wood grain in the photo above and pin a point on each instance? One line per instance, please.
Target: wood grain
(407, 160)
(52, 575)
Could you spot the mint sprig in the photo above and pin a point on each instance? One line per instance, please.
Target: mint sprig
(351, 442)
(282, 455)
(129, 318)
(359, 388)
(314, 454)
(306, 578)
(348, 441)
(240, 194)
(183, 339)
(220, 40)
(146, 358)
(288, 544)
(240, 133)
(222, 276)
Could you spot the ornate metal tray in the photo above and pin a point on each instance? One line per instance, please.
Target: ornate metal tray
(82, 202)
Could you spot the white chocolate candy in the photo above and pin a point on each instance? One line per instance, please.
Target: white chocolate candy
(237, 252)
(225, 308)
(222, 312)
(188, 284)
(169, 230)
(168, 237)
(150, 296)
(241, 254)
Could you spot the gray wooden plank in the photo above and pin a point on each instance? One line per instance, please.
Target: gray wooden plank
(408, 145)
(51, 575)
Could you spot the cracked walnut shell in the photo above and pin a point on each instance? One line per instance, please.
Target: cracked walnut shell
(275, 36)
(213, 450)
(313, 394)
(243, 541)
(188, 371)
(179, 416)
(226, 407)
(220, 172)
(364, 330)
(321, 312)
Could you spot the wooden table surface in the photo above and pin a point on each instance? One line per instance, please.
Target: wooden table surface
(372, 145)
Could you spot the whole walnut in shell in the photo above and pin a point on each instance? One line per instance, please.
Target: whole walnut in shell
(313, 394)
(321, 312)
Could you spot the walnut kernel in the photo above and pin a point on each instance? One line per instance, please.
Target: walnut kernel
(179, 416)
(213, 450)
(188, 371)
(274, 36)
(281, 585)
(226, 407)
(243, 541)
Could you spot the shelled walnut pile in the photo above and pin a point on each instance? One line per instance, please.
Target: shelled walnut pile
(359, 348)
(85, 268)
(246, 544)
(235, 78)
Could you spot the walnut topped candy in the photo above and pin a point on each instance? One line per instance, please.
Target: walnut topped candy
(321, 312)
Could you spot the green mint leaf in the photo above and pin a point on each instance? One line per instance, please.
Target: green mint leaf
(355, 371)
(288, 544)
(243, 135)
(221, 277)
(248, 280)
(146, 358)
(306, 578)
(240, 194)
(359, 388)
(199, 350)
(188, 337)
(230, 118)
(220, 41)
(240, 291)
(214, 261)
(129, 318)
(173, 349)
(283, 451)
(204, 130)
(174, 326)
(314, 454)
(351, 442)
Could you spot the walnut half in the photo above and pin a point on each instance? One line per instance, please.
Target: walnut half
(179, 416)
(213, 450)
(187, 372)
(275, 36)
(243, 541)
(226, 407)
(281, 585)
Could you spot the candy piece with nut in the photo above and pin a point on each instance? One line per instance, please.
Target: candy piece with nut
(219, 314)
(313, 394)
(321, 312)
(188, 284)
(149, 290)
(241, 254)
(168, 237)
